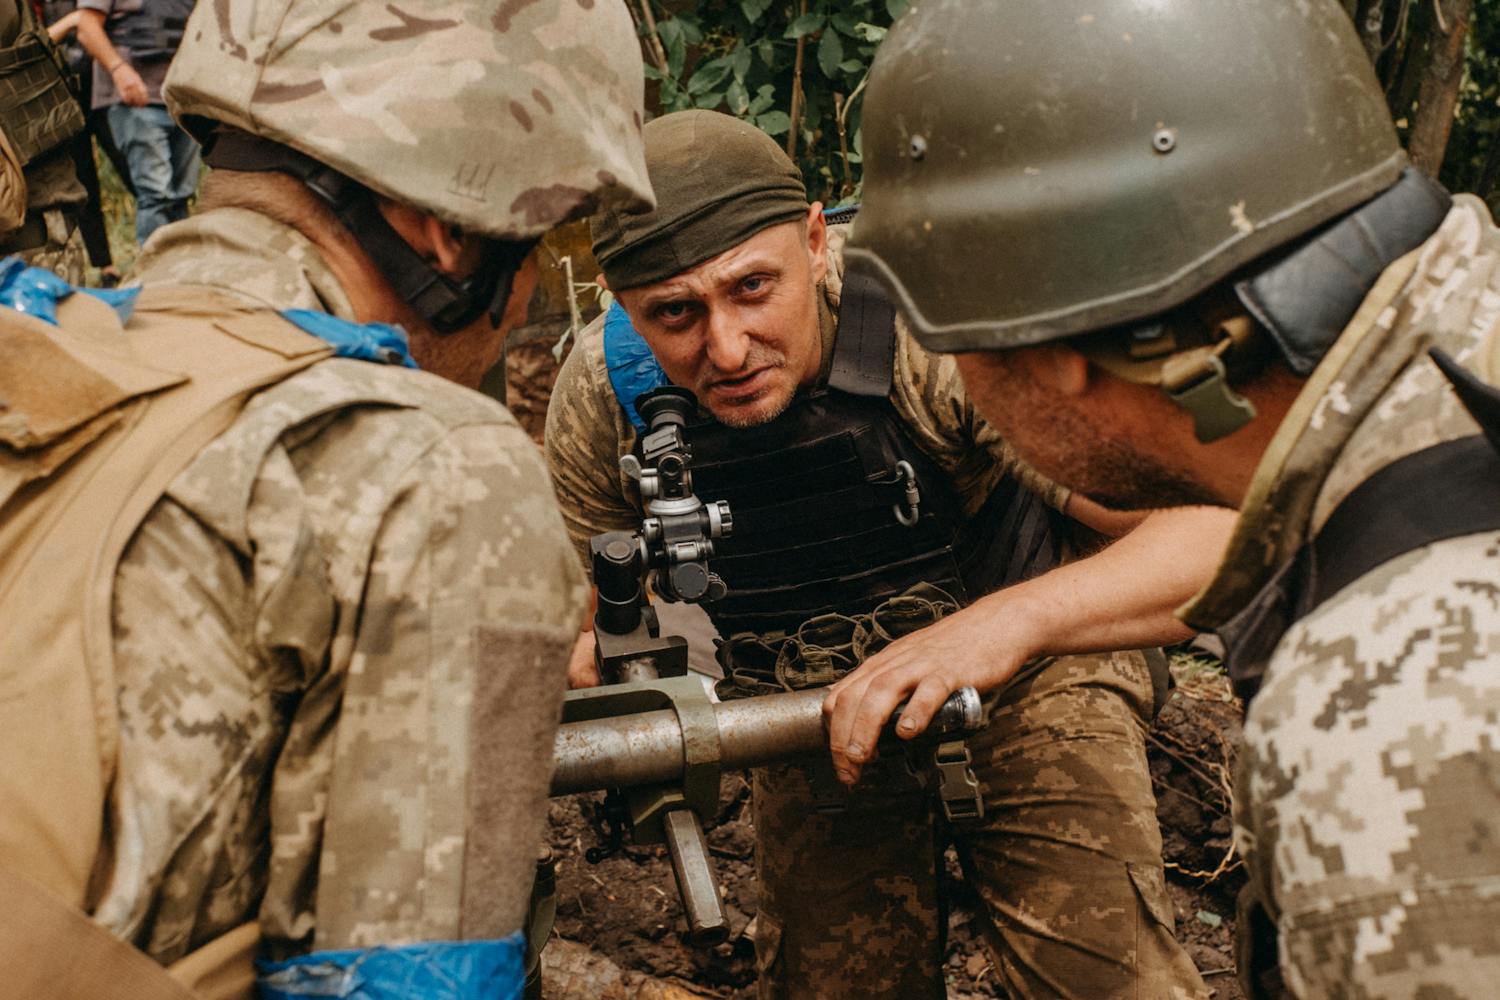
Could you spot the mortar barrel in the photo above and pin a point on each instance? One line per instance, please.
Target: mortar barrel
(645, 748)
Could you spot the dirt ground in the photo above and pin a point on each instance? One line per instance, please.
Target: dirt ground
(619, 930)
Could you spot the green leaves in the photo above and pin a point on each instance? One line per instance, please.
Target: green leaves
(740, 56)
(774, 122)
(754, 9)
(830, 54)
(806, 24)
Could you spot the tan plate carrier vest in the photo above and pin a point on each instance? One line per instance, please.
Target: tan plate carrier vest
(95, 423)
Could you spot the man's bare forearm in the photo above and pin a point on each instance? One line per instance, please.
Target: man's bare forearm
(1124, 596)
(1121, 597)
(95, 41)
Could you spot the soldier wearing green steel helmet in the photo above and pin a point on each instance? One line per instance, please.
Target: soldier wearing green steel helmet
(1196, 268)
(287, 618)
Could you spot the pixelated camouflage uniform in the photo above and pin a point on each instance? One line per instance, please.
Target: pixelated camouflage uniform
(1368, 797)
(333, 650)
(316, 625)
(849, 902)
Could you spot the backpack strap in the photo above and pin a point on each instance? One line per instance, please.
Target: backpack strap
(1449, 490)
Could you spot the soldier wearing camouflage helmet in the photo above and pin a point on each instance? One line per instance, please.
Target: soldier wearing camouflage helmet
(286, 618)
(1198, 269)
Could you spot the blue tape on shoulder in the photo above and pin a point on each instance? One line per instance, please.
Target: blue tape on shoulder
(633, 369)
(36, 291)
(380, 342)
(432, 970)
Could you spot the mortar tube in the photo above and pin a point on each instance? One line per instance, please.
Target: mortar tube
(645, 748)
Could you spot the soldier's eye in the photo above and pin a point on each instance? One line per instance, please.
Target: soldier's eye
(754, 283)
(671, 310)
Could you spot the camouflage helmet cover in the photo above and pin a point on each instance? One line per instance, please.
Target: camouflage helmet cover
(1035, 169)
(503, 118)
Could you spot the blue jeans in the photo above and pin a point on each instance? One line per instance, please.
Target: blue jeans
(163, 163)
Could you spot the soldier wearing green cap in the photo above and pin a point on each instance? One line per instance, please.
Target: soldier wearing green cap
(1222, 283)
(874, 509)
(287, 619)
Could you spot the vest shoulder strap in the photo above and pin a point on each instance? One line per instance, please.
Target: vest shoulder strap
(864, 352)
(1395, 512)
(1446, 491)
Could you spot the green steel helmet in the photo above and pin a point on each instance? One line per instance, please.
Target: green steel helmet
(1036, 169)
(500, 117)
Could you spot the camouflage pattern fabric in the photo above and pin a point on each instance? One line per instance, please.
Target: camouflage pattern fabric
(850, 902)
(64, 253)
(504, 117)
(1368, 798)
(588, 431)
(321, 628)
(1075, 900)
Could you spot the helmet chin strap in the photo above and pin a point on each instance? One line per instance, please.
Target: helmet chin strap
(443, 303)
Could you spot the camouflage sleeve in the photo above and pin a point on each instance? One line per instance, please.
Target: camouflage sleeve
(930, 396)
(587, 432)
(1367, 790)
(470, 604)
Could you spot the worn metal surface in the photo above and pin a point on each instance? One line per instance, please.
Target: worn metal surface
(708, 924)
(644, 748)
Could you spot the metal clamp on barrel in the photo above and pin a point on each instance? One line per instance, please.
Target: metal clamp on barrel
(673, 813)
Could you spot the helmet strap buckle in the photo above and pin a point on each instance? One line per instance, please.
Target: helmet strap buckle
(1199, 383)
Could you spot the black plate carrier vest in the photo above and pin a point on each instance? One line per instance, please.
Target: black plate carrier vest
(816, 494)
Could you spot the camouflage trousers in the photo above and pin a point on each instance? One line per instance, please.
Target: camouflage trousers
(1067, 858)
(63, 253)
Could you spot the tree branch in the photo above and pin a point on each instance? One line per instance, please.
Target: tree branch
(653, 39)
(796, 115)
(1438, 95)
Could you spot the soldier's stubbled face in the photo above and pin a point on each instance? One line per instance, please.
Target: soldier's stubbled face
(1069, 442)
(741, 329)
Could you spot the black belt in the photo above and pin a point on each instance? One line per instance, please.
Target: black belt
(33, 232)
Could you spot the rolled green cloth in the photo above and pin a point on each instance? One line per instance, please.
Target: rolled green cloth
(718, 182)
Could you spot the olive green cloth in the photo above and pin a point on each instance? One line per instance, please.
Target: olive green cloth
(718, 182)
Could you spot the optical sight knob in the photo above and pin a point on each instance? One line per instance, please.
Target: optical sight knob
(667, 405)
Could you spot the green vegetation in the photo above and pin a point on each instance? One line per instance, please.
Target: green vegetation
(119, 213)
(795, 68)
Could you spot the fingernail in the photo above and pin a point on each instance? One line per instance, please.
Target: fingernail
(846, 777)
(854, 752)
(907, 726)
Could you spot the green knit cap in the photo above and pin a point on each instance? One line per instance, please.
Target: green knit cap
(718, 182)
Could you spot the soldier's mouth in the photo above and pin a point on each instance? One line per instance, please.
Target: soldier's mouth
(742, 386)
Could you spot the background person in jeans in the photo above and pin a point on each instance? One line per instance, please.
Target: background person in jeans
(133, 42)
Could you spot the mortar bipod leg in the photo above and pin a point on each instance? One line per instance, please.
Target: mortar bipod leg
(707, 923)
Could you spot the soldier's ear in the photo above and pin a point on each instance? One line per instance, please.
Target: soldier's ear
(817, 241)
(1066, 370)
(447, 245)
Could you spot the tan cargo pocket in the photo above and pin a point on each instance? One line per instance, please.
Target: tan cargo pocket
(768, 964)
(1151, 885)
